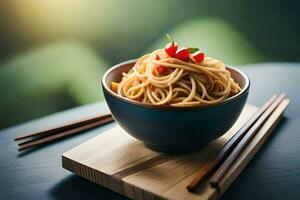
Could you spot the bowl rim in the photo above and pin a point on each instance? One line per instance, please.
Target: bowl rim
(160, 107)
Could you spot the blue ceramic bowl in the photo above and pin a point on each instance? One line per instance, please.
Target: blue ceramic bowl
(171, 129)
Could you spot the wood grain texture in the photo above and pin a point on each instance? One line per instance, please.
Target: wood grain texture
(119, 162)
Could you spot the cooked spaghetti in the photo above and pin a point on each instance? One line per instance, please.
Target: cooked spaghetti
(180, 83)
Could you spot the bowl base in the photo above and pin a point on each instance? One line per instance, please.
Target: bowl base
(173, 150)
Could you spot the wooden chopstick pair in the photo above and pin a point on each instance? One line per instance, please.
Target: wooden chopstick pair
(71, 128)
(232, 149)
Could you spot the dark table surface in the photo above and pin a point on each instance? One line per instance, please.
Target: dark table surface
(274, 173)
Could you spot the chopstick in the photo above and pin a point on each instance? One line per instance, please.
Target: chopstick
(49, 135)
(63, 127)
(214, 161)
(253, 147)
(221, 155)
(218, 176)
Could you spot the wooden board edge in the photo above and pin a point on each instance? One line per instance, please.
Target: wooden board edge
(110, 182)
(67, 163)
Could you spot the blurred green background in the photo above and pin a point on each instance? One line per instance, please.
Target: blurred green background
(54, 52)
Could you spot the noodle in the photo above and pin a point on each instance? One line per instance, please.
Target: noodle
(187, 83)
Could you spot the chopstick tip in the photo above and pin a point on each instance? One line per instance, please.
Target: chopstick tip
(215, 185)
(190, 188)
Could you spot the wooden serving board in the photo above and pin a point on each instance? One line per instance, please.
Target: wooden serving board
(117, 161)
